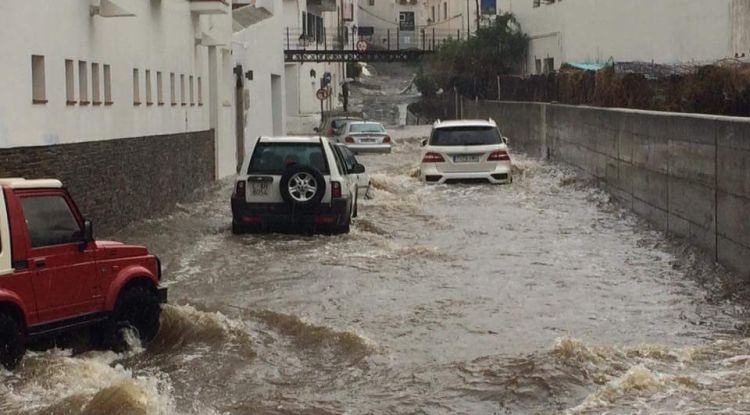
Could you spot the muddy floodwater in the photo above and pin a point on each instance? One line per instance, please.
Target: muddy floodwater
(537, 297)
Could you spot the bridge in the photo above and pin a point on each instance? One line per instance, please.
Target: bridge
(387, 45)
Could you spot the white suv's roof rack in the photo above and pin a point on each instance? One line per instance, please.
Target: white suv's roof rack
(21, 183)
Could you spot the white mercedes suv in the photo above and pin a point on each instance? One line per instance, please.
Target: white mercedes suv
(466, 150)
(298, 183)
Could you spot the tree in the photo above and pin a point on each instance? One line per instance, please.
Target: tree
(472, 65)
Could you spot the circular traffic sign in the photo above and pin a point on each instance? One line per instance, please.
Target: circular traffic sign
(322, 94)
(362, 46)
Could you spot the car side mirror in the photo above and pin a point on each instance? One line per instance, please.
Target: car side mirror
(358, 169)
(505, 140)
(316, 129)
(424, 142)
(88, 234)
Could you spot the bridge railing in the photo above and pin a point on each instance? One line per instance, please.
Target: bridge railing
(421, 38)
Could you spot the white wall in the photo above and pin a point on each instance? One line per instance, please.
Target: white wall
(587, 31)
(159, 38)
(259, 49)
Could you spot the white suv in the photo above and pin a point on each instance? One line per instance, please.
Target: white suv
(302, 183)
(466, 150)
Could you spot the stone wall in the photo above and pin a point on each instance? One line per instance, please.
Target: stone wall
(115, 182)
(687, 174)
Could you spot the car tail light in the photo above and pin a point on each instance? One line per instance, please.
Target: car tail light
(253, 219)
(239, 191)
(335, 189)
(325, 220)
(432, 158)
(499, 155)
(349, 139)
(387, 139)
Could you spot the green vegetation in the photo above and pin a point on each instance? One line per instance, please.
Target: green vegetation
(472, 66)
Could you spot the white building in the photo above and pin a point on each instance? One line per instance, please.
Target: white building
(310, 24)
(87, 70)
(451, 15)
(259, 90)
(663, 31)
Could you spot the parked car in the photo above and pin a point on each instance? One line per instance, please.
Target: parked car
(54, 277)
(298, 183)
(332, 122)
(365, 137)
(363, 179)
(466, 150)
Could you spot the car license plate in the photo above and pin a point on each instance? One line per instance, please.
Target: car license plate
(260, 188)
(368, 140)
(466, 158)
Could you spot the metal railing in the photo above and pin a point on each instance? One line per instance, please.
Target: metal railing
(421, 38)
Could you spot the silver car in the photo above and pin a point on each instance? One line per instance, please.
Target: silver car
(365, 137)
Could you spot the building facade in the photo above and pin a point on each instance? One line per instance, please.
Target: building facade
(310, 24)
(259, 90)
(131, 89)
(664, 32)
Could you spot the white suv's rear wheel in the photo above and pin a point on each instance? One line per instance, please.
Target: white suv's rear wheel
(302, 186)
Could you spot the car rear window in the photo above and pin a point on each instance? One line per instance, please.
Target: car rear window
(274, 158)
(465, 136)
(367, 128)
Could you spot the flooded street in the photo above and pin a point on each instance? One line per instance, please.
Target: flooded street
(537, 297)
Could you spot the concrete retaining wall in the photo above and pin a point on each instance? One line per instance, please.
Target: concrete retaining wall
(687, 174)
(115, 182)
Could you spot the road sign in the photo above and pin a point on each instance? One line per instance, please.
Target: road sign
(362, 46)
(322, 94)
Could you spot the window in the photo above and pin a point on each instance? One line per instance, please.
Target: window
(96, 97)
(274, 158)
(83, 83)
(465, 136)
(366, 128)
(192, 91)
(200, 91)
(445, 11)
(136, 88)
(538, 63)
(433, 14)
(50, 221)
(549, 65)
(70, 83)
(182, 89)
(149, 97)
(339, 159)
(173, 93)
(38, 84)
(536, 3)
(159, 89)
(371, 2)
(107, 85)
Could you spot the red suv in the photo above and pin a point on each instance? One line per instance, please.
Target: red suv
(54, 277)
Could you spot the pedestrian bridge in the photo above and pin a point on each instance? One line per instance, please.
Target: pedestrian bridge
(388, 45)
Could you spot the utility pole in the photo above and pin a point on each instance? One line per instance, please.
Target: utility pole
(478, 13)
(468, 20)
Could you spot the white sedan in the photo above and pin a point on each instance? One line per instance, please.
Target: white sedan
(466, 150)
(365, 137)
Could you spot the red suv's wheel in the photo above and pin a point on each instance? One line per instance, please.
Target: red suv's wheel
(137, 309)
(12, 346)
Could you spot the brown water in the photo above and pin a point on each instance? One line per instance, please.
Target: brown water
(537, 297)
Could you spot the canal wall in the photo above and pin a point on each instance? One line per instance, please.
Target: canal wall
(687, 174)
